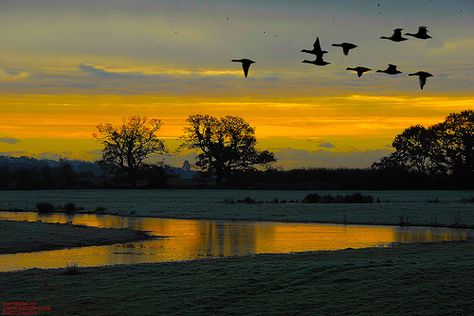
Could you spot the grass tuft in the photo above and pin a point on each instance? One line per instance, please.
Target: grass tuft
(72, 269)
(44, 207)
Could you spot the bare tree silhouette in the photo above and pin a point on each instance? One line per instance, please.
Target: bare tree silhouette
(225, 144)
(127, 146)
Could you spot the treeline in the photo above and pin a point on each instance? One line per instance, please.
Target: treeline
(63, 176)
(355, 179)
(152, 176)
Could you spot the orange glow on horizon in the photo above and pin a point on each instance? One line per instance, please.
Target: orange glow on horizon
(64, 124)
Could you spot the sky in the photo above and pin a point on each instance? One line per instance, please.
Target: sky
(67, 66)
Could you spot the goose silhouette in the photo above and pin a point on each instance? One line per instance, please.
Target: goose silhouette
(421, 34)
(245, 64)
(396, 36)
(317, 62)
(345, 47)
(391, 70)
(359, 69)
(316, 49)
(422, 75)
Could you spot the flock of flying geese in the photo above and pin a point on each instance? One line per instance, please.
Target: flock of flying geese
(346, 47)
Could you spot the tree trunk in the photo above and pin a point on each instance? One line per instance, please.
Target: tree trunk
(132, 176)
(219, 178)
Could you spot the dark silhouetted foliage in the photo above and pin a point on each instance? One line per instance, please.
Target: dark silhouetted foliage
(351, 198)
(127, 147)
(344, 178)
(70, 208)
(44, 207)
(444, 149)
(30, 173)
(468, 200)
(72, 269)
(226, 145)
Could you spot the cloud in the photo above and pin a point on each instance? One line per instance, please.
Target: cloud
(13, 74)
(326, 145)
(101, 71)
(9, 140)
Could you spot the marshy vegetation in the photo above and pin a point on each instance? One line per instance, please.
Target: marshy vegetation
(46, 207)
(468, 200)
(310, 198)
(72, 268)
(327, 198)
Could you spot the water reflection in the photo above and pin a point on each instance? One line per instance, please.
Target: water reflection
(194, 239)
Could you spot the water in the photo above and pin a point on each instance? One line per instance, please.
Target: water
(197, 239)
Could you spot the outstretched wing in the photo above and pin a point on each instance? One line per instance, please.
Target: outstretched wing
(345, 50)
(392, 67)
(360, 72)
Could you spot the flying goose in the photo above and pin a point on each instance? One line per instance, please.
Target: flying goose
(316, 49)
(318, 61)
(245, 64)
(396, 36)
(391, 70)
(422, 75)
(345, 47)
(421, 34)
(359, 69)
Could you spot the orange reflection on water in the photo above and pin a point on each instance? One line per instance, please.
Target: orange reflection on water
(195, 239)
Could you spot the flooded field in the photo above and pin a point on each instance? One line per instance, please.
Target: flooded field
(197, 239)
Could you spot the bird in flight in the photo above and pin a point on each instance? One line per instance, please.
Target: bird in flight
(422, 75)
(245, 64)
(391, 70)
(316, 49)
(421, 34)
(345, 47)
(359, 69)
(317, 62)
(396, 36)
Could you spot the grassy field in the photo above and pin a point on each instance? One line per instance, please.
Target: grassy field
(28, 236)
(428, 207)
(435, 279)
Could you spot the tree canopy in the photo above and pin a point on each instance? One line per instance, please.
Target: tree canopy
(225, 145)
(127, 146)
(444, 148)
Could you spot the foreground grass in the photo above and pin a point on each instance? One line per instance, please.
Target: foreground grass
(35, 236)
(435, 279)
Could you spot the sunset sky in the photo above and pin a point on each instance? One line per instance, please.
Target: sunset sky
(66, 66)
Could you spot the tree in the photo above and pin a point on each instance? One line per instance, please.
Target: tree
(226, 145)
(456, 138)
(444, 148)
(127, 146)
